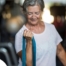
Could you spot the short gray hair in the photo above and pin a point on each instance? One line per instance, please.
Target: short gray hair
(32, 3)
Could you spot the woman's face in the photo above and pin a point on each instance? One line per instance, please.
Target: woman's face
(34, 14)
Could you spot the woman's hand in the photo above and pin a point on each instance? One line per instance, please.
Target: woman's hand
(28, 35)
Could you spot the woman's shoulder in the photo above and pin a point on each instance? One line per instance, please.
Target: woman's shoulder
(49, 25)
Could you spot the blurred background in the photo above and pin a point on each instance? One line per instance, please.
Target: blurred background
(12, 19)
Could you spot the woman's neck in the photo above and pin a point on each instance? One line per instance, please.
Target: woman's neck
(38, 28)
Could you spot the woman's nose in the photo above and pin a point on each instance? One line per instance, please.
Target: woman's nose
(33, 15)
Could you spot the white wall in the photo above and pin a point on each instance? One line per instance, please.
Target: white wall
(49, 1)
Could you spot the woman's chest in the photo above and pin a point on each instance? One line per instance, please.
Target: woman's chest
(45, 45)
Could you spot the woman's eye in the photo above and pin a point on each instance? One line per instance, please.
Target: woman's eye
(29, 13)
(37, 13)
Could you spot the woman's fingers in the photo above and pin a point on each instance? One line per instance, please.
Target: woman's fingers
(28, 34)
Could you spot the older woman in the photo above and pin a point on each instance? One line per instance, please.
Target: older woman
(46, 37)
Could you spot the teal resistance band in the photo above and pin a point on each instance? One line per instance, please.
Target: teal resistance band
(33, 52)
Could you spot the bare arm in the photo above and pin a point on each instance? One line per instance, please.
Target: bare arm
(20, 54)
(28, 36)
(61, 54)
(29, 53)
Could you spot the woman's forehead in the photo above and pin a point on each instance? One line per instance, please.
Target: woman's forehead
(33, 8)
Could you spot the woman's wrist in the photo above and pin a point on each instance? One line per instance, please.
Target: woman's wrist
(29, 41)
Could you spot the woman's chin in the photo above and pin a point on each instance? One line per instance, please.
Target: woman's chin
(34, 23)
